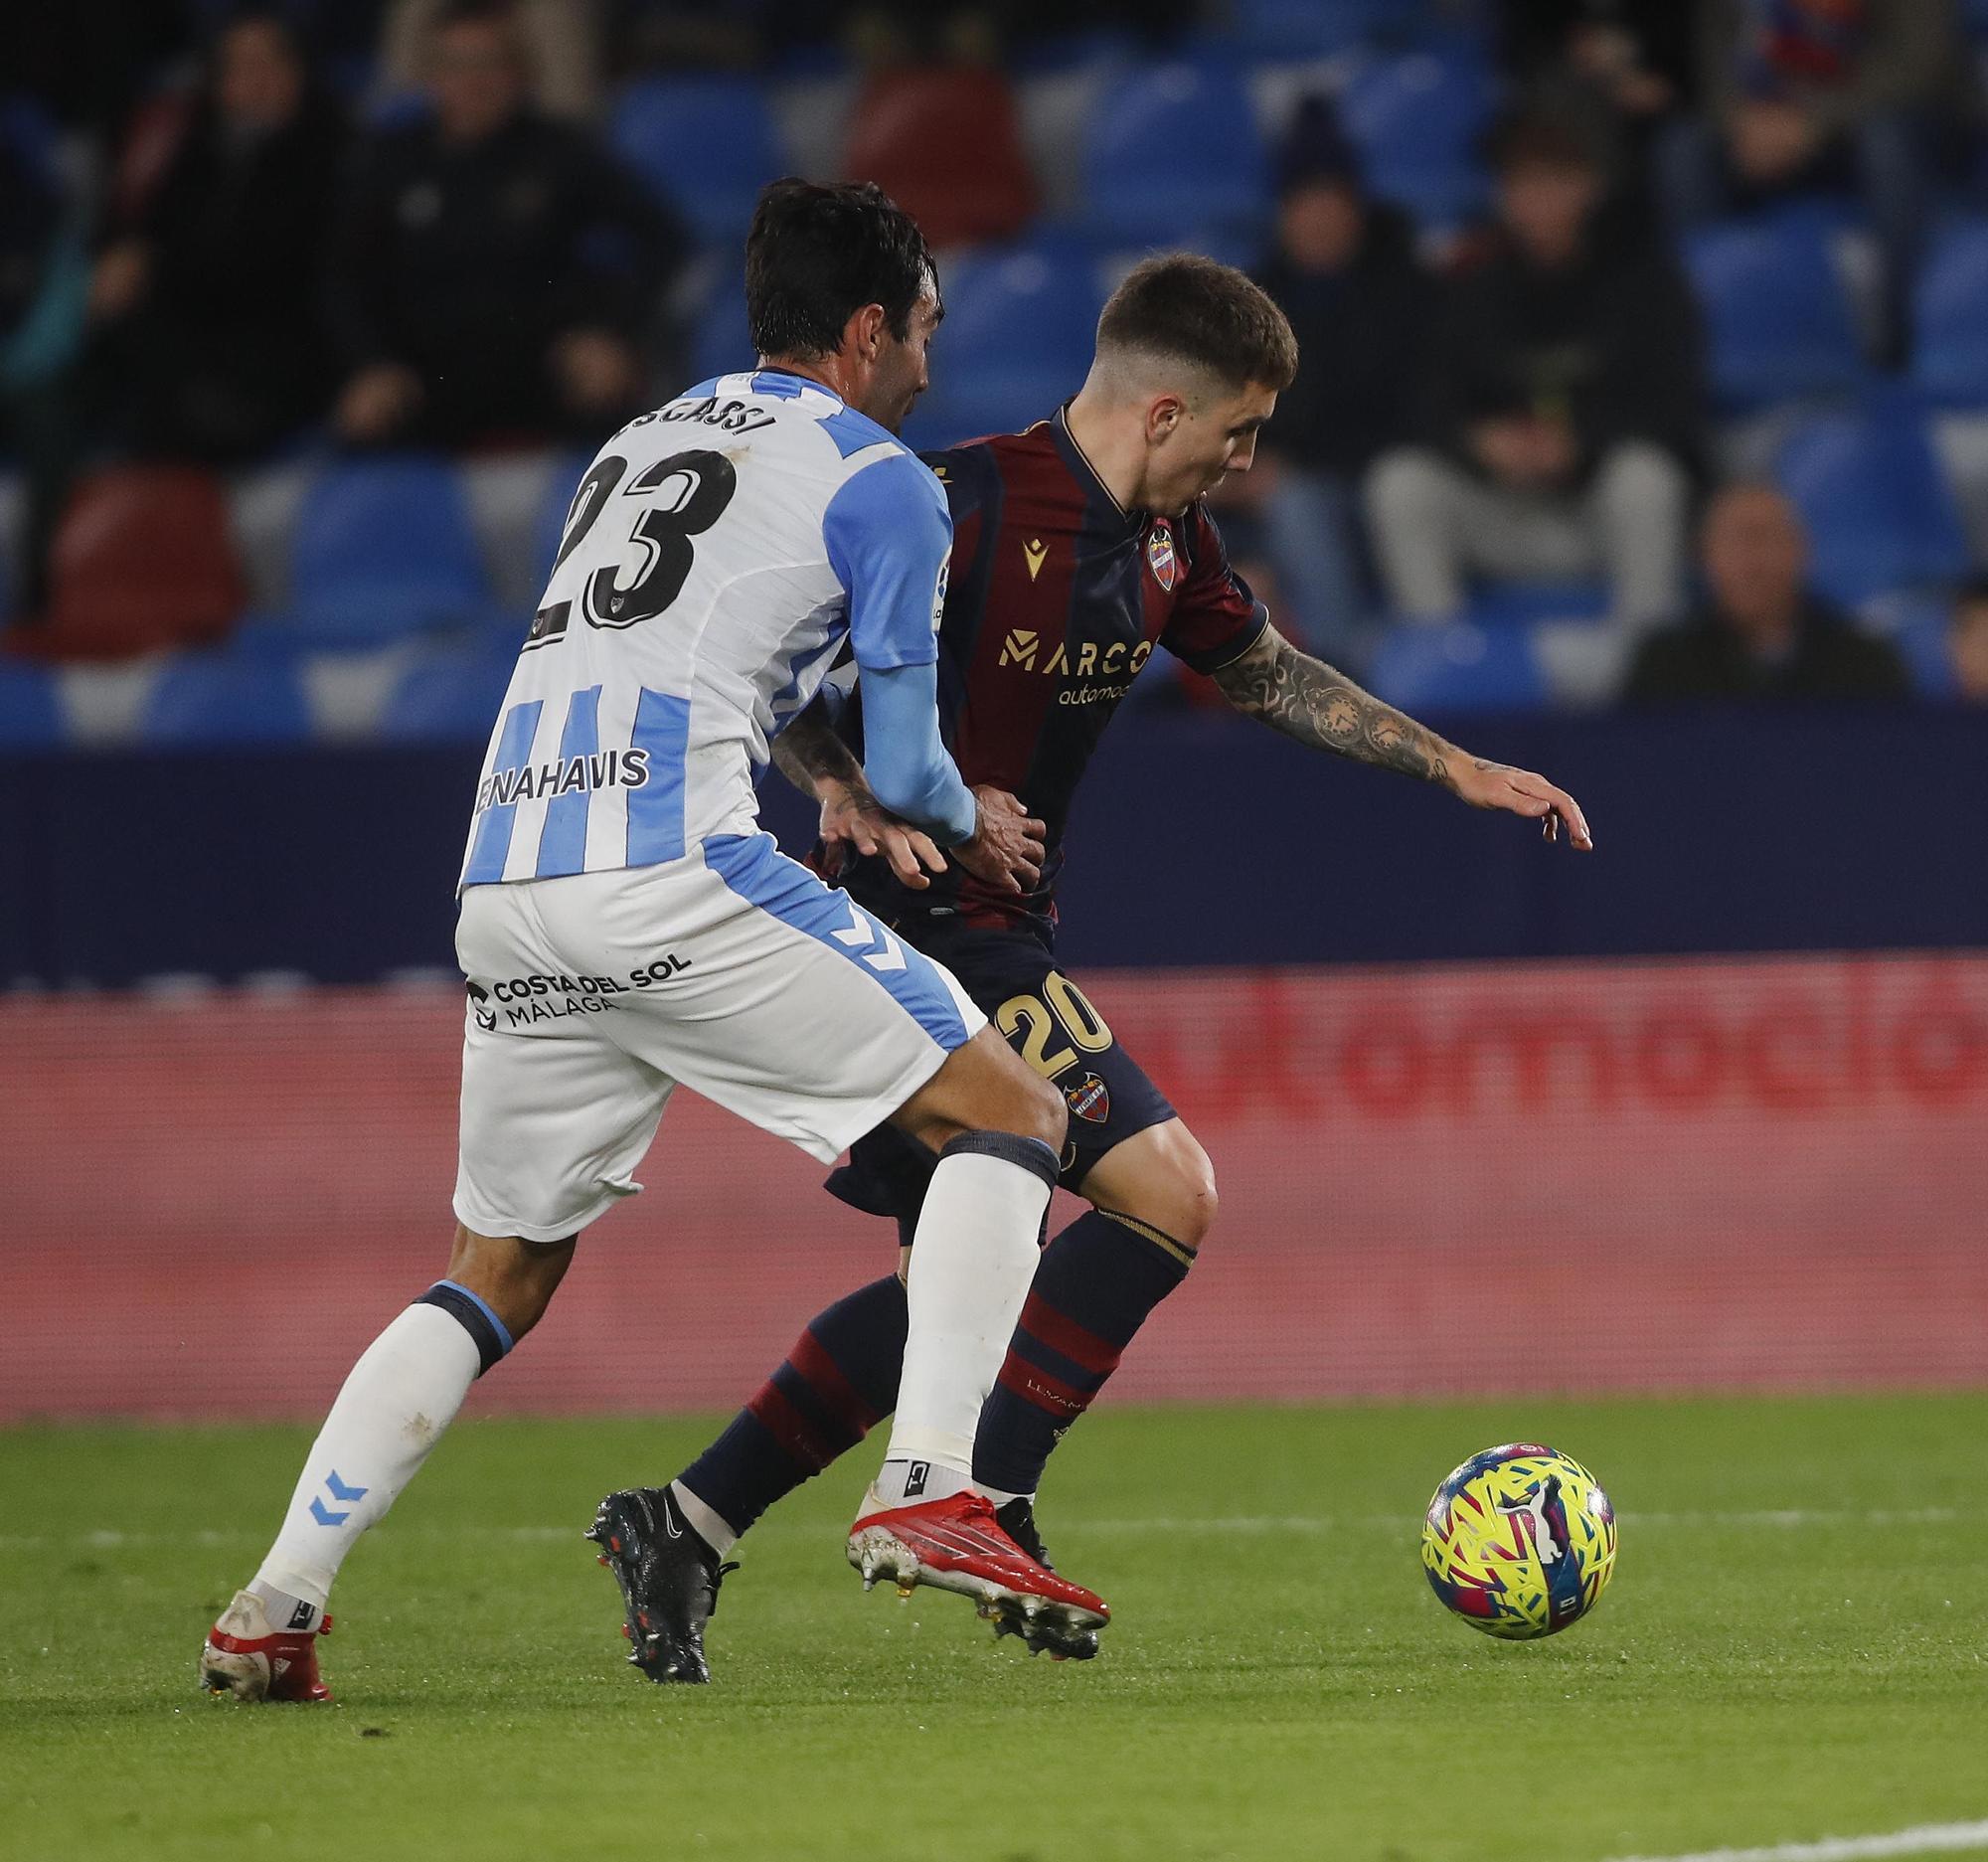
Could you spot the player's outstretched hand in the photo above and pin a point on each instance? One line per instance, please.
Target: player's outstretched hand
(1498, 785)
(852, 817)
(1008, 845)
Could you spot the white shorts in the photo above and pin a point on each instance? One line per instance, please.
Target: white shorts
(735, 970)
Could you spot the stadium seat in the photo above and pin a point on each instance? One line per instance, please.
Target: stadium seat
(1880, 515)
(226, 698)
(450, 693)
(141, 562)
(1019, 328)
(1521, 603)
(30, 712)
(550, 524)
(1778, 315)
(1301, 29)
(1170, 150)
(707, 144)
(1416, 120)
(383, 548)
(1459, 667)
(1918, 625)
(1950, 319)
(719, 341)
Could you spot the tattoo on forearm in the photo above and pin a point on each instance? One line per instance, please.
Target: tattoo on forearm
(809, 750)
(1306, 699)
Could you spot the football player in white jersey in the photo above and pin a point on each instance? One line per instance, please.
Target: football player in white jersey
(626, 924)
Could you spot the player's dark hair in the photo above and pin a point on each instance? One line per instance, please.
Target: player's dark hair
(1210, 315)
(817, 255)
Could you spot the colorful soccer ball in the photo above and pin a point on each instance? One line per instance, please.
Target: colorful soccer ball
(1519, 1541)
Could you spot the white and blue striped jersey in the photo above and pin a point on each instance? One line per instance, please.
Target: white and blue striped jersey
(717, 553)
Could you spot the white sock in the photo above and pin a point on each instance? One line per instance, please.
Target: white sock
(1000, 1496)
(711, 1527)
(397, 1399)
(974, 1258)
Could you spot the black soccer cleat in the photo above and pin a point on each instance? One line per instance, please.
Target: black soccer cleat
(1061, 1641)
(669, 1579)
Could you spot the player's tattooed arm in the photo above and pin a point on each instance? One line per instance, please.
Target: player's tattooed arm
(1319, 704)
(808, 752)
(815, 760)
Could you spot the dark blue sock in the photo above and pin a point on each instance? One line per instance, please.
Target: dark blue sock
(837, 1383)
(1095, 1284)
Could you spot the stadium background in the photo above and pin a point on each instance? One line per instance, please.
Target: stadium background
(1715, 1098)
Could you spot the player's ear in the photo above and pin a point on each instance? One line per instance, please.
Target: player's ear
(863, 334)
(1162, 417)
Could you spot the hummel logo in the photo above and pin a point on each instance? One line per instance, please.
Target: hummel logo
(1036, 551)
(1020, 649)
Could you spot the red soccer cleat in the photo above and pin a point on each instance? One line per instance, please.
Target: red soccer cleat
(958, 1544)
(244, 1657)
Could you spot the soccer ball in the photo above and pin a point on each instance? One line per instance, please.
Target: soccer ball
(1519, 1541)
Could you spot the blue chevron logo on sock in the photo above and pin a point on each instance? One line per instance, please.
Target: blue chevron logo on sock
(339, 1491)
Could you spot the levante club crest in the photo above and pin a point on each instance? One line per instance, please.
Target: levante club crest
(1160, 554)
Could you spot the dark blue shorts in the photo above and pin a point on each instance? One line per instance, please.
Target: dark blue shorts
(1051, 1025)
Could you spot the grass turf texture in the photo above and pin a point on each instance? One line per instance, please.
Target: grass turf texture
(1795, 1644)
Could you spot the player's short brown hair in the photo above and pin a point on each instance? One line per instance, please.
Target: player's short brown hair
(1191, 310)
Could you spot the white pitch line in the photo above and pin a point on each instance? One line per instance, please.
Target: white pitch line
(1247, 1525)
(1926, 1839)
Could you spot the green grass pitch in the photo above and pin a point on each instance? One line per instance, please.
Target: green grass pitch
(1795, 1645)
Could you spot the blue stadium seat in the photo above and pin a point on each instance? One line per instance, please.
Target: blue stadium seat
(1459, 667)
(1880, 516)
(719, 341)
(1950, 318)
(707, 144)
(226, 697)
(1521, 603)
(1918, 625)
(550, 525)
(1776, 312)
(450, 693)
(1170, 150)
(30, 712)
(1416, 120)
(383, 548)
(1019, 328)
(1297, 29)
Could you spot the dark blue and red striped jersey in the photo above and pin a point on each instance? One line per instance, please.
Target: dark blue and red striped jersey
(1055, 599)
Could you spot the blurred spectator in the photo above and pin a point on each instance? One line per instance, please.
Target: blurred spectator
(1626, 68)
(495, 274)
(563, 50)
(1635, 56)
(936, 127)
(1564, 403)
(1805, 97)
(88, 62)
(1344, 270)
(1761, 632)
(1967, 642)
(208, 342)
(41, 320)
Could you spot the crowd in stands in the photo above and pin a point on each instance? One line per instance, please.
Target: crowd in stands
(1644, 342)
